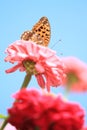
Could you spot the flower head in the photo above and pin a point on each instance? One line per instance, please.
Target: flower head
(46, 112)
(36, 60)
(76, 73)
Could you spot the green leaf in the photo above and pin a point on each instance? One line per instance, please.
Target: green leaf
(37, 128)
(2, 116)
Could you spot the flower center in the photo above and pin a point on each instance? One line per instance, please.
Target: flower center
(72, 78)
(30, 67)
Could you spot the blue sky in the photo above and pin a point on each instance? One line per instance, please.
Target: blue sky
(68, 20)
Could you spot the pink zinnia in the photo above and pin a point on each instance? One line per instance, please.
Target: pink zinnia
(36, 60)
(76, 74)
(35, 110)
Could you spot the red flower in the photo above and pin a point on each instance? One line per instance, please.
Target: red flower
(25, 110)
(36, 60)
(46, 112)
(84, 128)
(76, 74)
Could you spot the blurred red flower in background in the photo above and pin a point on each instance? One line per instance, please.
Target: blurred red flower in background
(33, 110)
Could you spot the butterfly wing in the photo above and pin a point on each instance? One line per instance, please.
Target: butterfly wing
(42, 29)
(27, 35)
(40, 32)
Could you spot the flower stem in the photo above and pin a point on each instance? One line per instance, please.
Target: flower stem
(26, 80)
(4, 123)
(66, 92)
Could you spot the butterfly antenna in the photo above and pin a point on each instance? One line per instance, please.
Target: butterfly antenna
(56, 43)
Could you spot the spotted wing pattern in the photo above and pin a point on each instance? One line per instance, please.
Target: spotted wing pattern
(40, 32)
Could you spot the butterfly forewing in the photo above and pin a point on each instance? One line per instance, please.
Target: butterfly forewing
(42, 29)
(40, 32)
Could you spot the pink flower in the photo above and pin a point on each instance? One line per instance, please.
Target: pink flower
(9, 127)
(76, 74)
(46, 112)
(36, 60)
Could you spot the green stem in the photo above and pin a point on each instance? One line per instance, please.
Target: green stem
(67, 90)
(26, 80)
(4, 123)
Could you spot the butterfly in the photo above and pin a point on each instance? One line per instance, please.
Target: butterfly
(40, 32)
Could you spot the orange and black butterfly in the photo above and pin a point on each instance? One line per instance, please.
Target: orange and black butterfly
(40, 32)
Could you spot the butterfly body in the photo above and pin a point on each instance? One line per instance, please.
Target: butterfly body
(40, 32)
